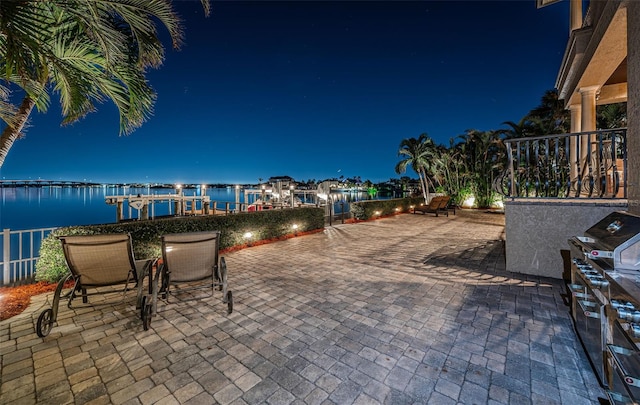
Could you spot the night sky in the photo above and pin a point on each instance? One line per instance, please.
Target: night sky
(312, 90)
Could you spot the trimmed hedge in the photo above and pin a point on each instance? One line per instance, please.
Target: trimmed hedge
(363, 210)
(264, 225)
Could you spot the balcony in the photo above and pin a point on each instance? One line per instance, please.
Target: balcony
(586, 165)
(555, 188)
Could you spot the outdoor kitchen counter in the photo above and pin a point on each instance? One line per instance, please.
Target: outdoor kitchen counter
(605, 285)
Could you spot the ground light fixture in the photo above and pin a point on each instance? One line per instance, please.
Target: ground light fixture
(295, 229)
(247, 236)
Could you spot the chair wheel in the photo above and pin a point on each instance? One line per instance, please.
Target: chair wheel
(146, 321)
(229, 302)
(45, 323)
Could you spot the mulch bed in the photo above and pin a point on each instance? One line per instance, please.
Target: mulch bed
(14, 300)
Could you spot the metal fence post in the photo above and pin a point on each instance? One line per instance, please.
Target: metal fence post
(6, 256)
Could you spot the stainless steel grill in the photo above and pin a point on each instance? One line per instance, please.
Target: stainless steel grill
(605, 287)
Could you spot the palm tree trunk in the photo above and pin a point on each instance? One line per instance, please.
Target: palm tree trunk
(424, 195)
(425, 186)
(11, 133)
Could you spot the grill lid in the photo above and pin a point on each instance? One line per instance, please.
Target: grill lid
(617, 236)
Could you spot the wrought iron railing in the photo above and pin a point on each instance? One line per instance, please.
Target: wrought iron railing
(578, 165)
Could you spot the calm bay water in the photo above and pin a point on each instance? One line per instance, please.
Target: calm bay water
(43, 207)
(47, 207)
(27, 208)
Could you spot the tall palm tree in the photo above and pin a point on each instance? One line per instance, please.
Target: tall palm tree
(417, 153)
(550, 117)
(86, 51)
(520, 129)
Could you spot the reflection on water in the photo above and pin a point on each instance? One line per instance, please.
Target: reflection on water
(43, 207)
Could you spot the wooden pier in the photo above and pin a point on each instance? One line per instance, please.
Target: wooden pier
(180, 205)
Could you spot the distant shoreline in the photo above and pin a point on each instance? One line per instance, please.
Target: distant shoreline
(63, 183)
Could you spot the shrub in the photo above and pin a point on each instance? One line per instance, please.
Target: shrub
(145, 235)
(363, 210)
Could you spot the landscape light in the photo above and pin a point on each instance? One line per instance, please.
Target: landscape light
(469, 201)
(248, 236)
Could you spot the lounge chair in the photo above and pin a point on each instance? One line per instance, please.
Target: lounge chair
(98, 261)
(437, 205)
(189, 258)
(451, 206)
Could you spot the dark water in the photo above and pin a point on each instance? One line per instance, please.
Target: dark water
(43, 207)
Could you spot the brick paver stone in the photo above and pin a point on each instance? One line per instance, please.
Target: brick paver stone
(407, 309)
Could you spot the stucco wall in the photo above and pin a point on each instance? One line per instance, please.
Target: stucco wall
(537, 230)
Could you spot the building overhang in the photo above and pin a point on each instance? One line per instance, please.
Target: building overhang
(596, 56)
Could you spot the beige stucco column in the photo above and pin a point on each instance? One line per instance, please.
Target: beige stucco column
(633, 106)
(587, 123)
(588, 110)
(575, 9)
(576, 126)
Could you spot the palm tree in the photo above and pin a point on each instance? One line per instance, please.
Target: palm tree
(550, 117)
(450, 171)
(484, 152)
(86, 51)
(417, 153)
(611, 116)
(520, 129)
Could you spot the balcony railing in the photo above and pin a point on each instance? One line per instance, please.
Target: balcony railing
(578, 165)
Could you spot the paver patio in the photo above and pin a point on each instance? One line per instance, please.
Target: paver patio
(411, 309)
